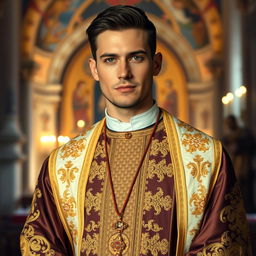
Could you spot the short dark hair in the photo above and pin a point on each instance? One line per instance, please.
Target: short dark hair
(121, 17)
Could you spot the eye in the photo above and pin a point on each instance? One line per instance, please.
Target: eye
(137, 58)
(109, 60)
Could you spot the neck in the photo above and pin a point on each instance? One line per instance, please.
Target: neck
(125, 114)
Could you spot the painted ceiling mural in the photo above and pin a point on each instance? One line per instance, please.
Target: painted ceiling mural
(49, 23)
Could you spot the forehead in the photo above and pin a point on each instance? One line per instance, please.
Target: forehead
(122, 41)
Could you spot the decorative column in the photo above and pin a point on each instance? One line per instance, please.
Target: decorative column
(10, 135)
(232, 19)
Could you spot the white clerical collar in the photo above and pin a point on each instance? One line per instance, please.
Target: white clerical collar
(137, 122)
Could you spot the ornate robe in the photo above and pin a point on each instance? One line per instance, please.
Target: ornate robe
(185, 201)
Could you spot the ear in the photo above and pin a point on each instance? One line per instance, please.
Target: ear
(93, 68)
(157, 63)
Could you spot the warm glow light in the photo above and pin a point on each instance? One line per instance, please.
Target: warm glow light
(48, 139)
(230, 96)
(80, 123)
(225, 100)
(63, 139)
(243, 89)
(240, 91)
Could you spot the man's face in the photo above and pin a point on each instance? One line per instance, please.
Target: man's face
(125, 68)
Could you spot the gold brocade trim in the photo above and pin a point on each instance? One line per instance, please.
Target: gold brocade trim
(84, 178)
(199, 167)
(161, 147)
(153, 245)
(89, 244)
(74, 148)
(68, 204)
(68, 174)
(195, 142)
(97, 170)
(151, 226)
(159, 169)
(30, 243)
(92, 226)
(179, 181)
(54, 186)
(92, 201)
(157, 201)
(198, 201)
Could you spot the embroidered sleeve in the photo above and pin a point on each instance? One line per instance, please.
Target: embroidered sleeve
(43, 233)
(223, 230)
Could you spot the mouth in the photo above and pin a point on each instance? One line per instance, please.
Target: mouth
(125, 88)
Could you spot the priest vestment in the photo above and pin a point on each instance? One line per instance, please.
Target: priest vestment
(185, 201)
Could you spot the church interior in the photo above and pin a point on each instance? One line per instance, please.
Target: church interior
(47, 94)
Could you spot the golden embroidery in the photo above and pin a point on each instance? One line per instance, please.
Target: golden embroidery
(234, 241)
(99, 151)
(234, 213)
(151, 226)
(73, 230)
(194, 230)
(186, 126)
(31, 244)
(68, 175)
(73, 148)
(225, 247)
(89, 244)
(159, 169)
(199, 168)
(195, 142)
(92, 226)
(92, 201)
(34, 214)
(198, 200)
(153, 245)
(157, 201)
(97, 170)
(158, 146)
(68, 204)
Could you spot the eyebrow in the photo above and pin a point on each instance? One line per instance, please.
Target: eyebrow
(129, 54)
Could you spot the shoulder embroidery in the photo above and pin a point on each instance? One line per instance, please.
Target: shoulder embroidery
(73, 148)
(195, 142)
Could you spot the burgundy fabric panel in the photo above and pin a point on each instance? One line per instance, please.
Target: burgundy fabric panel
(49, 225)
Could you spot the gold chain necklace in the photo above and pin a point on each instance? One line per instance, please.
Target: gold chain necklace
(118, 242)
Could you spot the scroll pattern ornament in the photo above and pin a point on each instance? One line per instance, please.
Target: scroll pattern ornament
(157, 201)
(234, 241)
(30, 243)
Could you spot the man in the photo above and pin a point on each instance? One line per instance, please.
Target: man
(139, 182)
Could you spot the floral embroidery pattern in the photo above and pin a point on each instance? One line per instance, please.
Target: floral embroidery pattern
(92, 226)
(199, 168)
(198, 200)
(73, 148)
(97, 170)
(99, 151)
(153, 245)
(157, 201)
(159, 169)
(89, 244)
(159, 147)
(68, 174)
(30, 243)
(92, 201)
(195, 142)
(151, 226)
(68, 204)
(186, 126)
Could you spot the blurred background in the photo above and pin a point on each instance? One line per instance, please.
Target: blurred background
(47, 94)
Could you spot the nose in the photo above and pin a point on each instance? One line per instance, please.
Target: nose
(124, 70)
